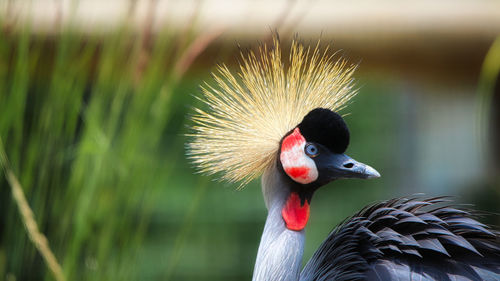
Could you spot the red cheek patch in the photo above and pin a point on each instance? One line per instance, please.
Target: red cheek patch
(295, 162)
(294, 213)
(295, 138)
(298, 172)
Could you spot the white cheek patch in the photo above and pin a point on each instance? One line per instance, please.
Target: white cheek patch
(295, 162)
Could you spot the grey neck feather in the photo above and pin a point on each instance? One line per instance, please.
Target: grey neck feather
(280, 250)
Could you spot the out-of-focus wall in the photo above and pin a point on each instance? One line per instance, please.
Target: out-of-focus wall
(418, 38)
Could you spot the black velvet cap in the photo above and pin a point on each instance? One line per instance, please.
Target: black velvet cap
(327, 128)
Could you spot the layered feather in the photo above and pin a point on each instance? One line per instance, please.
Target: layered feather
(408, 239)
(249, 112)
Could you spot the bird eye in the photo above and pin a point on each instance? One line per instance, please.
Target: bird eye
(311, 150)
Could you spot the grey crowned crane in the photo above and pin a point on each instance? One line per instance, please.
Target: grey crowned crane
(279, 120)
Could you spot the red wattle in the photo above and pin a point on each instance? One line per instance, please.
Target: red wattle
(294, 213)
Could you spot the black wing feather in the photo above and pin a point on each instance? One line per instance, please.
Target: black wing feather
(408, 239)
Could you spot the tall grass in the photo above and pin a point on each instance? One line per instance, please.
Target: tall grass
(83, 121)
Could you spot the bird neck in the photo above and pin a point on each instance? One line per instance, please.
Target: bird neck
(280, 251)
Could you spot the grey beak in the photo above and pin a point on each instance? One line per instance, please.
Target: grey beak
(344, 166)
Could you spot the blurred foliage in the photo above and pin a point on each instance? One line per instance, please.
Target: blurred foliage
(85, 122)
(94, 129)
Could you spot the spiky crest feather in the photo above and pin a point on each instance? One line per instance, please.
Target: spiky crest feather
(249, 113)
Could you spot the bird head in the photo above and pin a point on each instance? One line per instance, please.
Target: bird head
(279, 115)
(312, 154)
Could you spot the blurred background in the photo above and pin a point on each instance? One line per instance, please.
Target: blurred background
(94, 105)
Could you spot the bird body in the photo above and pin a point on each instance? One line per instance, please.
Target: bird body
(277, 119)
(408, 239)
